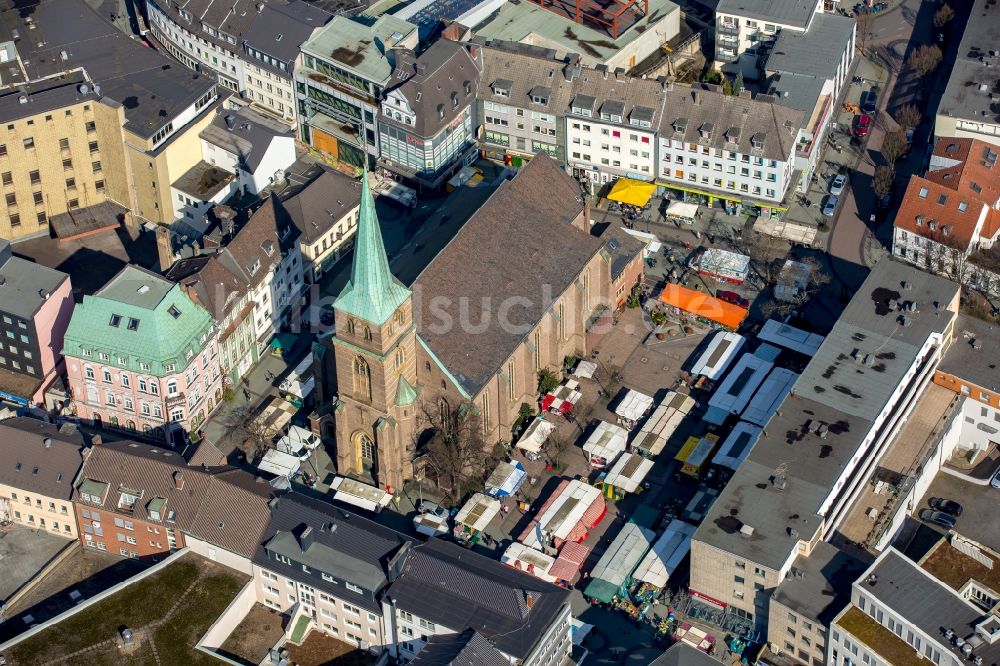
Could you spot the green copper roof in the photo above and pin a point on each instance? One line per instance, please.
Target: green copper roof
(405, 393)
(373, 294)
(145, 320)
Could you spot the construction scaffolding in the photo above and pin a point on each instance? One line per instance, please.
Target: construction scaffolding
(611, 16)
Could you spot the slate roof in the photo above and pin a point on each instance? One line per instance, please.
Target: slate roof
(523, 68)
(797, 13)
(454, 588)
(619, 94)
(519, 243)
(324, 201)
(25, 283)
(467, 648)
(268, 231)
(151, 87)
(224, 506)
(160, 338)
(840, 391)
(281, 29)
(39, 458)
(682, 654)
(438, 84)
(819, 586)
(249, 137)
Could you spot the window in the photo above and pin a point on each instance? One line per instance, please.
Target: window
(353, 588)
(403, 615)
(353, 610)
(424, 624)
(133, 324)
(29, 142)
(67, 164)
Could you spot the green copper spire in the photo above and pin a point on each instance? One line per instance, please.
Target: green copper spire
(405, 393)
(373, 294)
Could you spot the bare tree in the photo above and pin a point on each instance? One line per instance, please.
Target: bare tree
(555, 447)
(925, 59)
(609, 376)
(246, 432)
(884, 180)
(864, 21)
(453, 446)
(767, 252)
(908, 117)
(894, 146)
(943, 16)
(946, 255)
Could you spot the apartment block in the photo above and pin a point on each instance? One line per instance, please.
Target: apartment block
(142, 356)
(745, 32)
(36, 303)
(820, 447)
(41, 463)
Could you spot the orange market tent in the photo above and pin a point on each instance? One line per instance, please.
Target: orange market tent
(633, 192)
(703, 305)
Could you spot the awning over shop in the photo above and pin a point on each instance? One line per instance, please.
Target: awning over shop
(571, 558)
(632, 192)
(605, 443)
(703, 305)
(682, 209)
(628, 472)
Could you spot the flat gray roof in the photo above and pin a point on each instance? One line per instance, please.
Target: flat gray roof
(797, 91)
(974, 66)
(974, 356)
(816, 52)
(844, 387)
(786, 12)
(203, 181)
(819, 586)
(359, 47)
(25, 283)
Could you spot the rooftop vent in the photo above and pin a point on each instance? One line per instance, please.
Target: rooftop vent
(872, 579)
(143, 289)
(746, 530)
(47, 442)
(794, 533)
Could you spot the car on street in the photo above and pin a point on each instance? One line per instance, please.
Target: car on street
(995, 481)
(732, 297)
(837, 185)
(862, 125)
(939, 518)
(869, 101)
(950, 507)
(830, 204)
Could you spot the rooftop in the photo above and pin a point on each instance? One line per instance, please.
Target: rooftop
(972, 356)
(880, 640)
(151, 87)
(935, 211)
(460, 649)
(815, 52)
(39, 457)
(203, 181)
(955, 569)
(682, 654)
(822, 423)
(245, 133)
(974, 67)
(968, 167)
(534, 253)
(24, 285)
(794, 13)
(528, 23)
(359, 47)
(819, 586)
(797, 91)
(280, 29)
(322, 202)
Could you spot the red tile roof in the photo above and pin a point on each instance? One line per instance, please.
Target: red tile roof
(934, 210)
(974, 173)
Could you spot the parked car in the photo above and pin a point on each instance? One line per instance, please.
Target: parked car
(732, 297)
(838, 184)
(950, 507)
(830, 204)
(995, 481)
(938, 518)
(862, 125)
(869, 101)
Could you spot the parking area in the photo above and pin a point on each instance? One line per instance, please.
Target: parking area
(979, 507)
(23, 552)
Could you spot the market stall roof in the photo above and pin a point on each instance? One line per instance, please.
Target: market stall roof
(534, 562)
(663, 422)
(607, 441)
(628, 472)
(478, 512)
(563, 398)
(279, 463)
(535, 435)
(666, 554)
(769, 396)
(355, 493)
(621, 558)
(735, 391)
(790, 337)
(570, 560)
(505, 479)
(632, 192)
(719, 353)
(703, 305)
(572, 509)
(633, 405)
(585, 369)
(682, 209)
(737, 445)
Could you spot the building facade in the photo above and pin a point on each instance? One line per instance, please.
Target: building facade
(745, 32)
(144, 357)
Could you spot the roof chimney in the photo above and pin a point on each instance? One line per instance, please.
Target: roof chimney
(47, 442)
(306, 538)
(695, 97)
(179, 480)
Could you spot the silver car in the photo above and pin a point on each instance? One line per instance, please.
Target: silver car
(837, 186)
(830, 205)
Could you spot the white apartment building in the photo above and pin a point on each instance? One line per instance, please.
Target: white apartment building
(254, 147)
(739, 149)
(804, 475)
(746, 29)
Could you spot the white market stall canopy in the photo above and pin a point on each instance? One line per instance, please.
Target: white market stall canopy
(733, 394)
(536, 563)
(567, 515)
(718, 355)
(790, 337)
(478, 512)
(605, 443)
(505, 479)
(633, 405)
(628, 472)
(663, 422)
(535, 435)
(623, 555)
(665, 556)
(355, 493)
(281, 464)
(737, 446)
(682, 209)
(731, 266)
(769, 396)
(585, 369)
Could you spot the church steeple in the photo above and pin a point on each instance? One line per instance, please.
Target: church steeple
(373, 293)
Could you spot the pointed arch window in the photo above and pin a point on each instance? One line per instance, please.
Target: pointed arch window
(350, 326)
(400, 358)
(362, 379)
(368, 334)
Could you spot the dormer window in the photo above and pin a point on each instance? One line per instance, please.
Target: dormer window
(252, 268)
(932, 225)
(583, 105)
(641, 116)
(440, 110)
(502, 87)
(680, 125)
(706, 130)
(268, 247)
(467, 86)
(454, 100)
(540, 95)
(919, 221)
(612, 111)
(757, 141)
(733, 135)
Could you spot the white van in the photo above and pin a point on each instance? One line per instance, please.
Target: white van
(299, 442)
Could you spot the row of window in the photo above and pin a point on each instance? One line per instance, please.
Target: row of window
(30, 521)
(612, 133)
(38, 503)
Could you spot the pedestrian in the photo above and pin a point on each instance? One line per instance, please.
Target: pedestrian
(246, 395)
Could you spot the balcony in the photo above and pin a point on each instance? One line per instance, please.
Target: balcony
(727, 29)
(178, 399)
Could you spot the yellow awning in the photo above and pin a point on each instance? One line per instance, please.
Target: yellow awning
(632, 192)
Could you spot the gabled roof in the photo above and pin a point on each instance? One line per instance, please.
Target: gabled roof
(279, 30)
(967, 166)
(323, 202)
(518, 69)
(261, 240)
(935, 211)
(39, 458)
(451, 587)
(245, 133)
(467, 648)
(373, 293)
